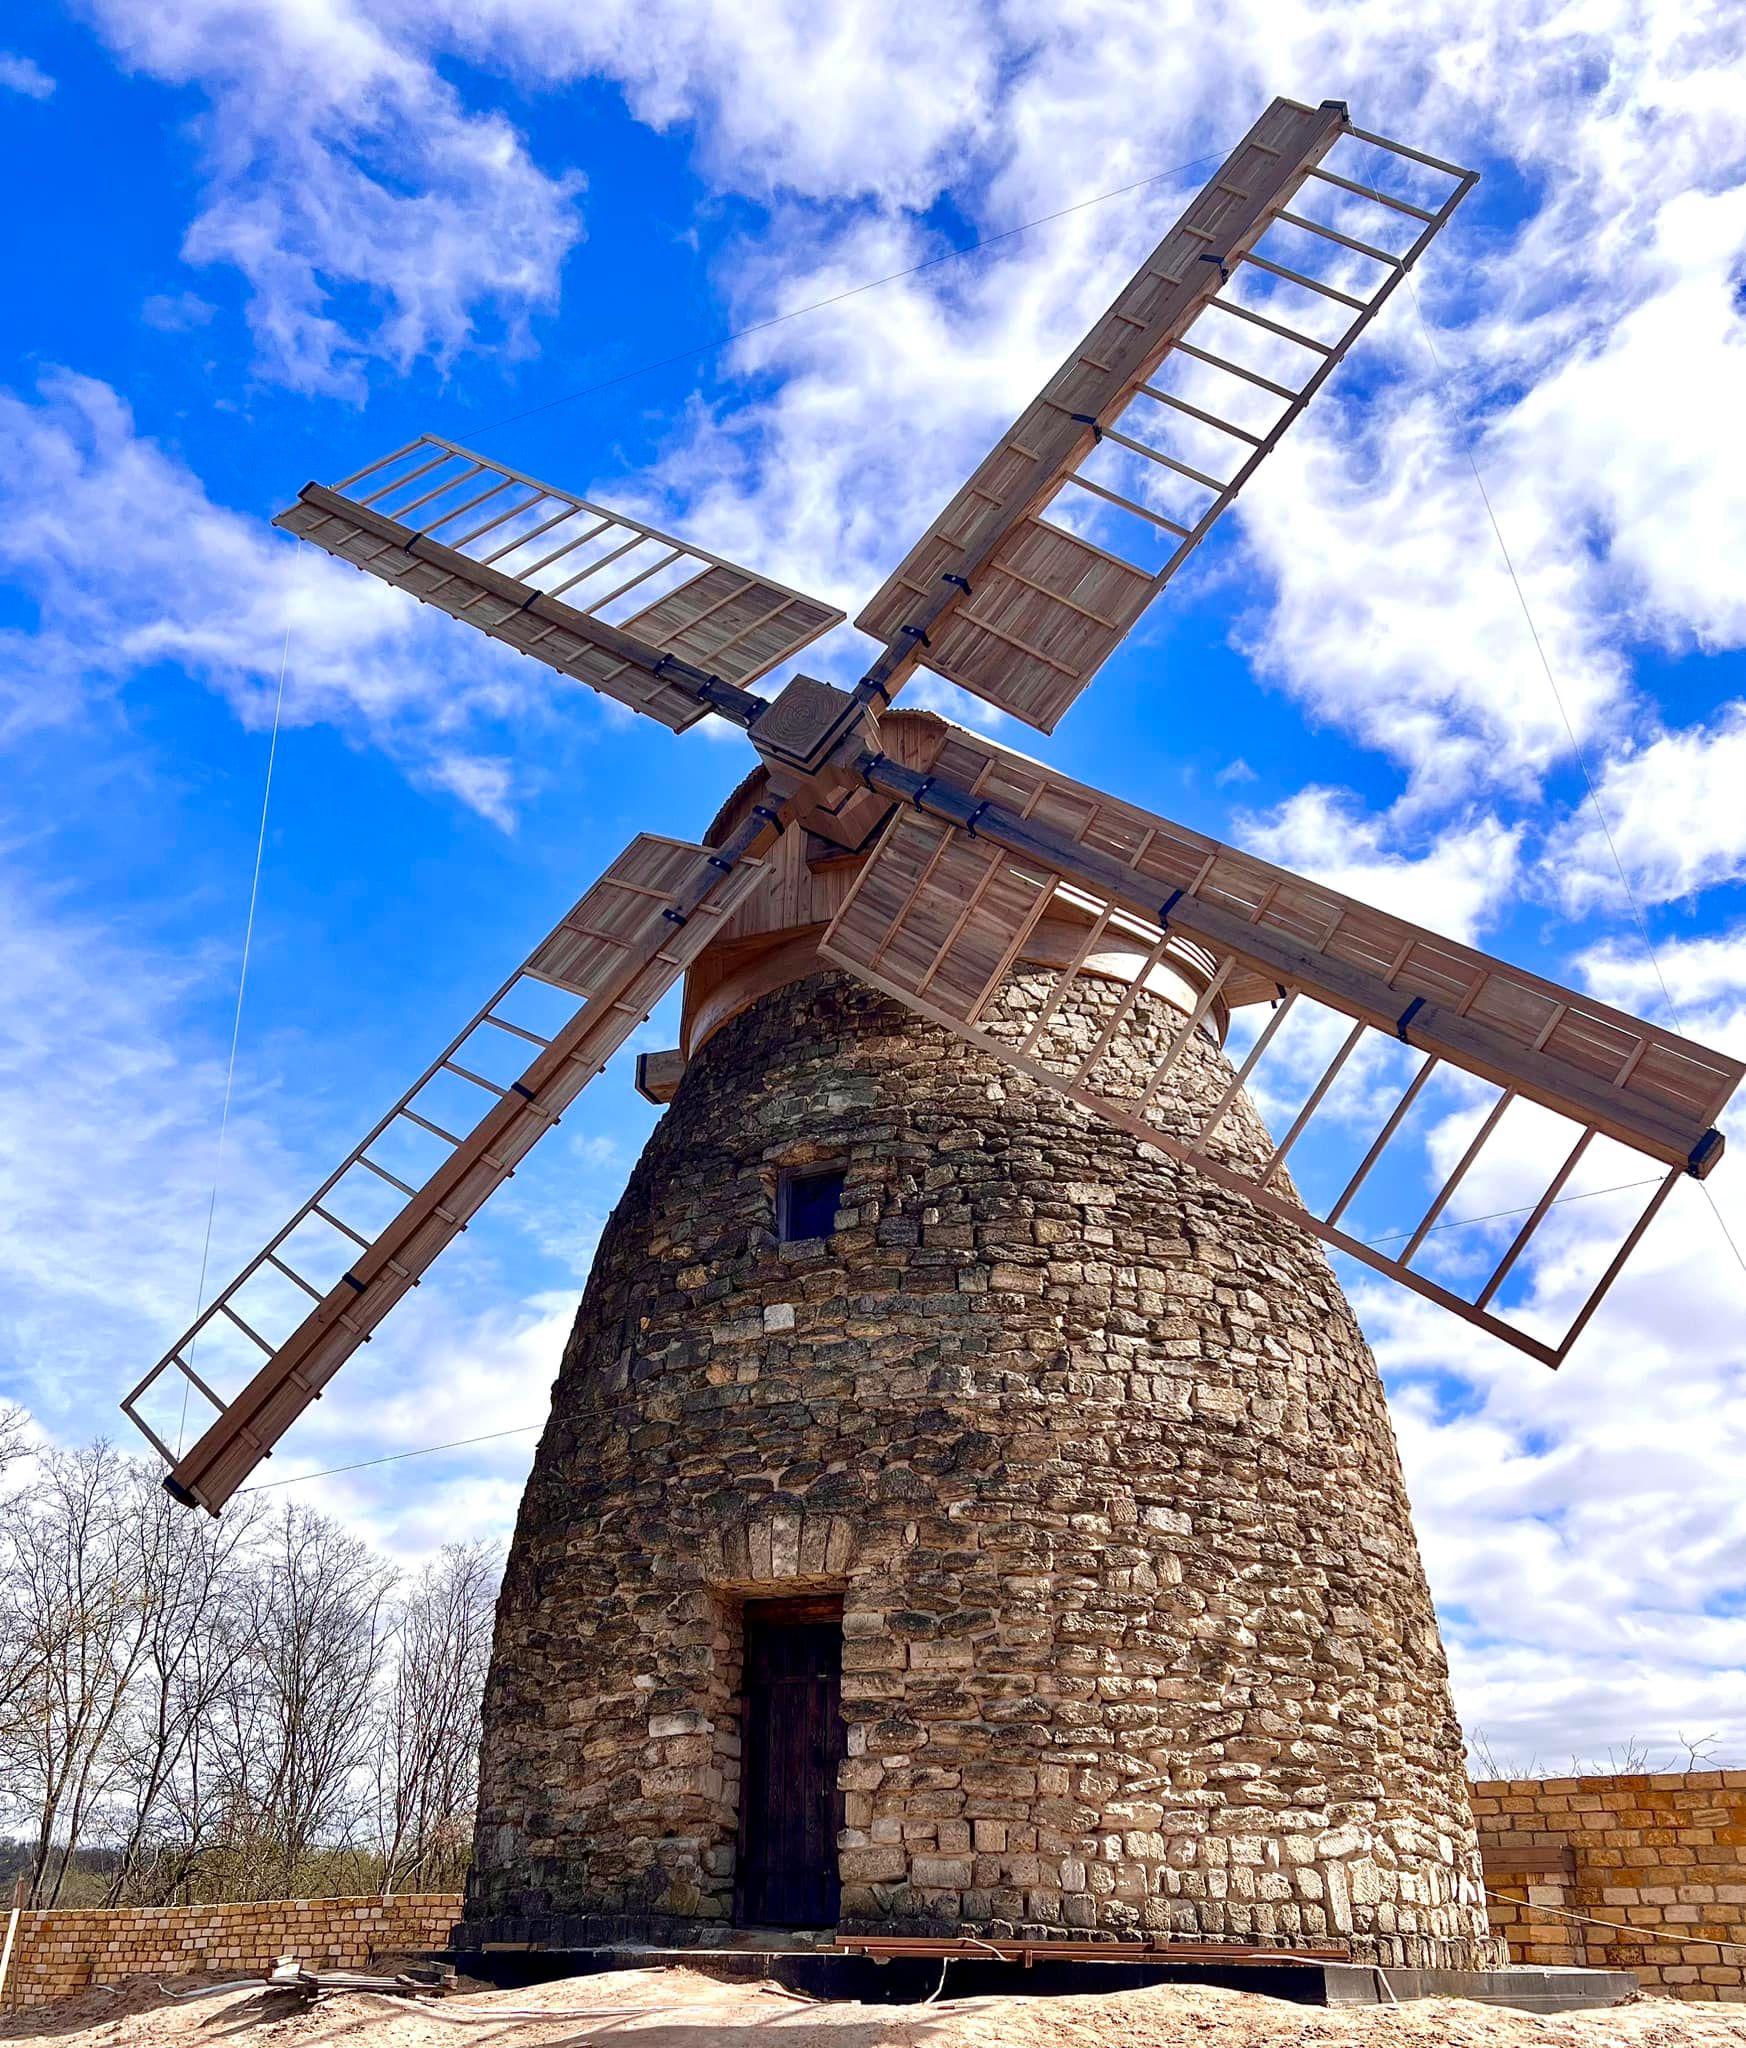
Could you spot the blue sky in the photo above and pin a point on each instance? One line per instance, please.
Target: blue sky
(265, 243)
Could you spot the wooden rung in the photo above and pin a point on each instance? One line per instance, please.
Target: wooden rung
(1236, 191)
(1618, 1260)
(1024, 646)
(382, 1173)
(314, 1293)
(1321, 348)
(478, 532)
(503, 1024)
(1194, 413)
(1157, 455)
(1369, 192)
(1316, 227)
(1310, 284)
(1127, 505)
(411, 477)
(1454, 1181)
(1408, 1097)
(370, 468)
(1314, 1102)
(194, 1378)
(1043, 590)
(254, 1336)
(424, 1123)
(436, 491)
(1190, 1024)
(1222, 1107)
(1202, 355)
(478, 1080)
(478, 498)
(532, 569)
(565, 511)
(1554, 1189)
(1417, 156)
(327, 1216)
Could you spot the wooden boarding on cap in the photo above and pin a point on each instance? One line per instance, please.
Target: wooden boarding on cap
(940, 913)
(469, 535)
(618, 952)
(1014, 605)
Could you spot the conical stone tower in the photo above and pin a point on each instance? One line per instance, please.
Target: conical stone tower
(1009, 1539)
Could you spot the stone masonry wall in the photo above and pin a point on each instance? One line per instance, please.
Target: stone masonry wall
(1663, 1855)
(57, 1953)
(1136, 1633)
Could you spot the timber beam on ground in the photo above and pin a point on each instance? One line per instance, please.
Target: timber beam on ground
(884, 1947)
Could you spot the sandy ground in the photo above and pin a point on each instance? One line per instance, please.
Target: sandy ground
(676, 2008)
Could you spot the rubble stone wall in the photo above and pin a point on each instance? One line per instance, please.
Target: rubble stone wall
(1661, 1856)
(1137, 1638)
(57, 1953)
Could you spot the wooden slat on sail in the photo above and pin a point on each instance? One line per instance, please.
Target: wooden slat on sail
(595, 594)
(1007, 592)
(616, 954)
(940, 913)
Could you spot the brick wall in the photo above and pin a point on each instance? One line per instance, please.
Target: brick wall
(1662, 1855)
(57, 1953)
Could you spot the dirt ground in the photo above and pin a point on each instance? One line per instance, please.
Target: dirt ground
(677, 2008)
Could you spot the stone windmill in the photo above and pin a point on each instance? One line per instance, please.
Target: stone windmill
(968, 1500)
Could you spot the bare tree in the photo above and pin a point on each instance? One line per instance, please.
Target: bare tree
(76, 1608)
(425, 1768)
(227, 1709)
(297, 1728)
(168, 1797)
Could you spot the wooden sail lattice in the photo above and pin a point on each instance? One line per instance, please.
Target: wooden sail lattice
(470, 1118)
(939, 916)
(595, 594)
(1046, 558)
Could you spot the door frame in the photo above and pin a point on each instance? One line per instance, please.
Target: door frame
(777, 1611)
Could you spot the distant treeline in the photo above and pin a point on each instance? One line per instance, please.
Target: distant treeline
(195, 1710)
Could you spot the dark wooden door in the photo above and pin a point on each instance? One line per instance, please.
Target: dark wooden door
(789, 1805)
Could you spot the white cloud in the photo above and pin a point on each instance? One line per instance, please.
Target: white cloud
(789, 97)
(1454, 886)
(373, 215)
(1672, 806)
(131, 564)
(1584, 1530)
(106, 1178)
(176, 312)
(1706, 978)
(24, 75)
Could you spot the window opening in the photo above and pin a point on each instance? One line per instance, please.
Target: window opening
(807, 1203)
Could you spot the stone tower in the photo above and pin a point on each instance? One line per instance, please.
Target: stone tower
(955, 1515)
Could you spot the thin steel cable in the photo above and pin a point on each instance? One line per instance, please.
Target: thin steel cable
(1581, 758)
(242, 982)
(872, 284)
(392, 1458)
(1497, 1215)
(1666, 1934)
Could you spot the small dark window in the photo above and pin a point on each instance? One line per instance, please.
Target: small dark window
(807, 1203)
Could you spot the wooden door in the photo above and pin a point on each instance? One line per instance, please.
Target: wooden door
(790, 1809)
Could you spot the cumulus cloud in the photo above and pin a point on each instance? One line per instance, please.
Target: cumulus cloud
(1454, 885)
(176, 312)
(1672, 807)
(371, 212)
(131, 564)
(24, 75)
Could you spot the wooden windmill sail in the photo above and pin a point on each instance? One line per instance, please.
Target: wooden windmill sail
(1019, 591)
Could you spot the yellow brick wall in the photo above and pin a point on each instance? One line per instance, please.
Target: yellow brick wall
(57, 1953)
(1664, 1855)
